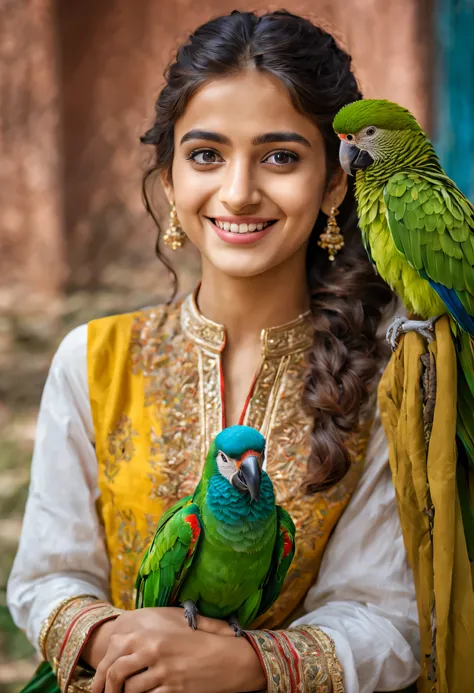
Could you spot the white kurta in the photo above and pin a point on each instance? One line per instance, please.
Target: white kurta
(364, 597)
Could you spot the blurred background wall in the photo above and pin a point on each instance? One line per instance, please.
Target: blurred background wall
(78, 81)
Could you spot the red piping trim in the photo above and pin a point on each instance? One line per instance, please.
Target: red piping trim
(73, 623)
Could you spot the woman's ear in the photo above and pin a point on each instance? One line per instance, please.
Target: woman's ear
(335, 191)
(167, 184)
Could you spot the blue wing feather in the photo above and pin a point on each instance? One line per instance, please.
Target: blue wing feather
(453, 304)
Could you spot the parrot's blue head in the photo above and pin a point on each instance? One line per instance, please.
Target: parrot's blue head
(238, 453)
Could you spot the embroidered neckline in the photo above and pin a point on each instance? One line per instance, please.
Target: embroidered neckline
(277, 341)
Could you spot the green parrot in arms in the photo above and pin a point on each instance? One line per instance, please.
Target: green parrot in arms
(223, 552)
(418, 230)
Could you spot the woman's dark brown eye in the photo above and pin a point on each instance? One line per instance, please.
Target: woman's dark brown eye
(281, 158)
(205, 156)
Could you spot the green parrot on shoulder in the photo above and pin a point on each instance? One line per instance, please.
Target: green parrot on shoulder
(418, 230)
(223, 552)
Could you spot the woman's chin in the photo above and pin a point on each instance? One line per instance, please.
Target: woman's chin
(240, 261)
(238, 267)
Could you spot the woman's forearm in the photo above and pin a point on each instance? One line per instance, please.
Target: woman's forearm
(249, 672)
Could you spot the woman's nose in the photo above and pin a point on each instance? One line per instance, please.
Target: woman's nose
(239, 187)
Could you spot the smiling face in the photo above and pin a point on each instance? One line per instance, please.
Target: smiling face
(248, 175)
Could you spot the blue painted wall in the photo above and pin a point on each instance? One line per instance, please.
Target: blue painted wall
(454, 90)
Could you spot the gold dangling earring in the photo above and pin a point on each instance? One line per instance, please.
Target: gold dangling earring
(174, 236)
(332, 239)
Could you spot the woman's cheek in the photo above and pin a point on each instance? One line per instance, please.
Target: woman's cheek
(192, 196)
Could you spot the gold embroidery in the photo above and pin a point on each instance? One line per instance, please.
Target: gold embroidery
(210, 401)
(77, 638)
(329, 649)
(168, 390)
(120, 447)
(199, 329)
(259, 413)
(288, 448)
(59, 627)
(171, 391)
(81, 681)
(46, 627)
(132, 545)
(276, 341)
(290, 338)
(298, 660)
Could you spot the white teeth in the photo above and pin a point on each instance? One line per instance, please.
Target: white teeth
(240, 228)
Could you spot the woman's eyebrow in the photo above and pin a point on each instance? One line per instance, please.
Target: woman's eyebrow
(266, 138)
(280, 137)
(204, 135)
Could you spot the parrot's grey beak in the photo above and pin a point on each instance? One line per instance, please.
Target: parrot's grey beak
(248, 477)
(352, 158)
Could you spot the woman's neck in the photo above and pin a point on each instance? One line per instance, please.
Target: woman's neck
(247, 305)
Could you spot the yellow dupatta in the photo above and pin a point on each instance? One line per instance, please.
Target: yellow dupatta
(417, 398)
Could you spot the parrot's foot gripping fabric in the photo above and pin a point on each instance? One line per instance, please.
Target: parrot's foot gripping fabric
(190, 613)
(233, 622)
(402, 325)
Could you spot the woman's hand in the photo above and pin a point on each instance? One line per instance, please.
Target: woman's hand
(144, 619)
(155, 650)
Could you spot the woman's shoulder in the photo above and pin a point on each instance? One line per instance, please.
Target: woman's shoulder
(122, 329)
(143, 329)
(70, 355)
(156, 318)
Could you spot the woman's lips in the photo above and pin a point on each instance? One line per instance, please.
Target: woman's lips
(239, 236)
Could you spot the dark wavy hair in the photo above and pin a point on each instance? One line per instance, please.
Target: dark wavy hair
(347, 297)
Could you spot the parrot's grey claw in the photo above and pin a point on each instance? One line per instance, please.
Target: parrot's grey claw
(190, 613)
(403, 325)
(392, 332)
(237, 630)
(233, 622)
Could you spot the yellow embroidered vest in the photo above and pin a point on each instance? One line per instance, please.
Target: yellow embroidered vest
(154, 384)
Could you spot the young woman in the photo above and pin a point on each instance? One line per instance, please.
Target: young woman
(281, 334)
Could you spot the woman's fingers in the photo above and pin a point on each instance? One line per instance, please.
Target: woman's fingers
(111, 674)
(214, 626)
(148, 680)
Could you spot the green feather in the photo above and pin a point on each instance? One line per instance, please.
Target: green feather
(218, 548)
(168, 559)
(428, 234)
(280, 562)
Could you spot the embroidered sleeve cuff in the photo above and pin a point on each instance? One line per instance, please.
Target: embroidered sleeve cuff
(301, 658)
(66, 631)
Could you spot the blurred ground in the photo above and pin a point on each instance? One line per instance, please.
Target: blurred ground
(29, 336)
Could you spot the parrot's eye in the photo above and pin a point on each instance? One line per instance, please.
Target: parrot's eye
(349, 138)
(371, 131)
(226, 465)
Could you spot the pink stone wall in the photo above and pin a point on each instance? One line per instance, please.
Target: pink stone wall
(81, 208)
(31, 186)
